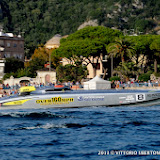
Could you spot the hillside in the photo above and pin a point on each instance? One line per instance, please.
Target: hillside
(39, 20)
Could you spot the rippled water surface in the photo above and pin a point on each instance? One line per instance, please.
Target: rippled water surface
(80, 133)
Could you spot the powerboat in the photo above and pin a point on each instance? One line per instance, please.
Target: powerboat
(30, 97)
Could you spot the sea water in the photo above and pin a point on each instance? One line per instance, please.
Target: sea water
(92, 133)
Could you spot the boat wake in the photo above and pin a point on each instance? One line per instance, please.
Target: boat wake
(32, 115)
(40, 126)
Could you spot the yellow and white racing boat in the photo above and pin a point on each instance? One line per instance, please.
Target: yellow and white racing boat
(63, 97)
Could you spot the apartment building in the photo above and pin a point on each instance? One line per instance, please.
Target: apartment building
(10, 46)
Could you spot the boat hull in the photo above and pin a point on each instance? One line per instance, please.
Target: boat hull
(81, 99)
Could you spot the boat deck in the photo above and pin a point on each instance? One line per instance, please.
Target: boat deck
(94, 91)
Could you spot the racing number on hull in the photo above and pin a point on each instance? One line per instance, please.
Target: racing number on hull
(140, 97)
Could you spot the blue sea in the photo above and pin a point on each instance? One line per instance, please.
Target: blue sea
(92, 133)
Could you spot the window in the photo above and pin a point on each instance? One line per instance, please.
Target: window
(7, 55)
(20, 56)
(14, 45)
(1, 69)
(8, 44)
(1, 43)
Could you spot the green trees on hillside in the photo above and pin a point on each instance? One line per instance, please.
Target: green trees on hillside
(39, 20)
(41, 57)
(71, 72)
(12, 65)
(121, 48)
(155, 47)
(87, 45)
(139, 54)
(136, 52)
(15, 68)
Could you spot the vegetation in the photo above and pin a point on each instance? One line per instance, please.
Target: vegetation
(144, 77)
(120, 48)
(12, 65)
(87, 45)
(136, 52)
(137, 55)
(114, 78)
(15, 68)
(40, 20)
(71, 73)
(41, 57)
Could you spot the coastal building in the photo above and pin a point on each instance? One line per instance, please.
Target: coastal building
(10, 46)
(43, 77)
(54, 42)
(46, 76)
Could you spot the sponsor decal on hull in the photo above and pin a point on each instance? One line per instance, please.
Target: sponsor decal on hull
(154, 95)
(55, 100)
(127, 99)
(90, 98)
(13, 103)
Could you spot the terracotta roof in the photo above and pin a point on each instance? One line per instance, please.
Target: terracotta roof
(54, 41)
